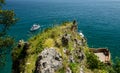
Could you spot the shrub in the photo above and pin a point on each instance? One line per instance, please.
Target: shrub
(117, 65)
(62, 70)
(48, 43)
(74, 67)
(93, 62)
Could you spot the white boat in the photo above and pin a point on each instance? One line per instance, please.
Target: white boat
(35, 27)
(81, 34)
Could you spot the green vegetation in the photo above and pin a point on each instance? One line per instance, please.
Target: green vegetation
(49, 43)
(93, 62)
(7, 19)
(74, 67)
(25, 56)
(116, 65)
(48, 38)
(99, 67)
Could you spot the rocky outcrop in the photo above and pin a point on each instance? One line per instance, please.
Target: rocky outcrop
(68, 70)
(73, 56)
(19, 60)
(74, 26)
(65, 39)
(48, 61)
(79, 54)
(69, 52)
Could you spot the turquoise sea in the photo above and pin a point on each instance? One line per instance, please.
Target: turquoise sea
(98, 20)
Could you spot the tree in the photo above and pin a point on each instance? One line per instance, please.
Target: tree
(7, 19)
(116, 65)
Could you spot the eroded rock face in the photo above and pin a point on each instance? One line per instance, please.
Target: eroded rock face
(78, 42)
(48, 61)
(65, 39)
(79, 54)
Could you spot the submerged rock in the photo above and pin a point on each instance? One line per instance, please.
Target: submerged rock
(48, 61)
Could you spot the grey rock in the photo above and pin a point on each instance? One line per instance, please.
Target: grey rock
(81, 70)
(71, 59)
(68, 70)
(78, 42)
(48, 61)
(79, 54)
(65, 39)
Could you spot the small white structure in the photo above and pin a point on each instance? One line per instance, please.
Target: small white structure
(81, 34)
(21, 42)
(35, 27)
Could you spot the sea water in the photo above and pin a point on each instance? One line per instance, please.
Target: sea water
(98, 20)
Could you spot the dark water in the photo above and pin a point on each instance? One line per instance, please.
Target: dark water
(99, 21)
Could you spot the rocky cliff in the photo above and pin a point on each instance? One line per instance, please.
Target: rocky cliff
(60, 49)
